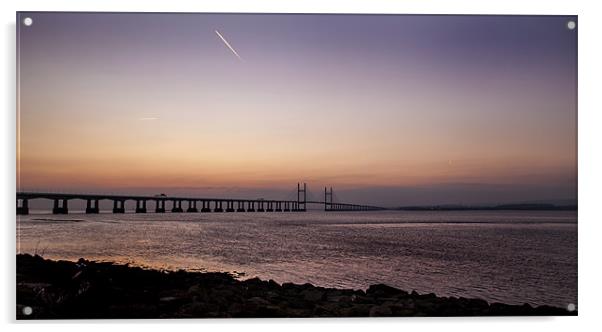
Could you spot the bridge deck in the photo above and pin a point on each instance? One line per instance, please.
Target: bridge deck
(68, 196)
(252, 205)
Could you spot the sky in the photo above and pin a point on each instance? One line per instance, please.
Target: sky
(387, 109)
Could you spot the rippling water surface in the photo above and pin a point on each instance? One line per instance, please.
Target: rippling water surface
(505, 256)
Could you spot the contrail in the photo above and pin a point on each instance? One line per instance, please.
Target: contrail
(228, 44)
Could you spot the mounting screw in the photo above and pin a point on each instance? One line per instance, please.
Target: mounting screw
(571, 25)
(27, 311)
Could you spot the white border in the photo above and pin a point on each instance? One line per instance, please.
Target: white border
(590, 162)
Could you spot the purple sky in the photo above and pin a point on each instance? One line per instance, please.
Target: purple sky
(388, 109)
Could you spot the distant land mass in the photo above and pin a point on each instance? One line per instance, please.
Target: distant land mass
(561, 205)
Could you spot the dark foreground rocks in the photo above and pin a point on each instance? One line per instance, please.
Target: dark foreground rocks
(58, 290)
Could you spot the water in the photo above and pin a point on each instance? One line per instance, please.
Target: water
(504, 256)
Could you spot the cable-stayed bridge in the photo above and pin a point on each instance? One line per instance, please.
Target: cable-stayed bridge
(180, 204)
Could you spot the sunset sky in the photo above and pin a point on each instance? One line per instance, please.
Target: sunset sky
(391, 110)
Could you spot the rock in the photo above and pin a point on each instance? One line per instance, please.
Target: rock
(272, 311)
(339, 298)
(194, 309)
(429, 296)
(425, 305)
(273, 285)
(312, 295)
(357, 310)
(196, 290)
(384, 291)
(380, 311)
(288, 285)
(497, 309)
(272, 295)
(404, 313)
(257, 301)
(326, 310)
(407, 304)
(291, 289)
(479, 304)
(228, 293)
(55, 290)
(298, 302)
(362, 299)
(259, 307)
(168, 299)
(235, 309)
(253, 282)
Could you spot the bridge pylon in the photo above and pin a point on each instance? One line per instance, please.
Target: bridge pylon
(328, 199)
(302, 204)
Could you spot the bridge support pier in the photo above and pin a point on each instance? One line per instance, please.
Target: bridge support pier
(229, 206)
(92, 208)
(218, 207)
(287, 207)
(240, 206)
(278, 206)
(250, 206)
(118, 206)
(160, 206)
(176, 206)
(140, 206)
(24, 208)
(270, 207)
(260, 206)
(205, 207)
(60, 209)
(192, 206)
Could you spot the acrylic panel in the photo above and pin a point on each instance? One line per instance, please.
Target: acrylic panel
(196, 165)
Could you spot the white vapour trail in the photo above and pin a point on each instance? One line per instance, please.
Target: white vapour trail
(228, 44)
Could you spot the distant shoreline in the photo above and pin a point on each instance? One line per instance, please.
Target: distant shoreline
(503, 207)
(48, 289)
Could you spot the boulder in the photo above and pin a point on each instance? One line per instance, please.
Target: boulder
(380, 311)
(312, 295)
(382, 290)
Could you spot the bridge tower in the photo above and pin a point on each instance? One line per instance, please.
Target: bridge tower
(301, 204)
(328, 199)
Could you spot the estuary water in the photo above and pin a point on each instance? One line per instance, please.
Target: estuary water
(512, 257)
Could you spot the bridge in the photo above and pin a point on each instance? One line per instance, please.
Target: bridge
(193, 204)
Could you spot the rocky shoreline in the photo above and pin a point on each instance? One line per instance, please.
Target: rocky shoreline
(49, 289)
